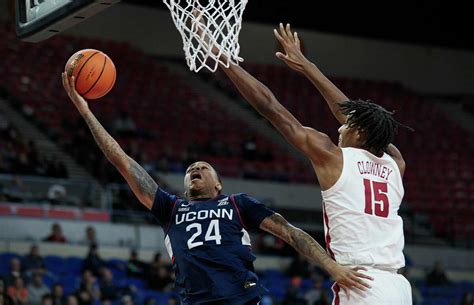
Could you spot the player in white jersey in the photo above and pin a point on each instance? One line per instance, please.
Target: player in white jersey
(360, 178)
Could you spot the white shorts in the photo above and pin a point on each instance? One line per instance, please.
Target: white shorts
(388, 288)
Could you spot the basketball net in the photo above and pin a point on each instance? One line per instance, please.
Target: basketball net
(223, 21)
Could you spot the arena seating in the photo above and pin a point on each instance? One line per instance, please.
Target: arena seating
(67, 272)
(22, 157)
(158, 101)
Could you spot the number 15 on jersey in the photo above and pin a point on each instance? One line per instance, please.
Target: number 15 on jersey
(376, 199)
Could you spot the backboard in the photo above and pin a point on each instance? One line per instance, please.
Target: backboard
(37, 20)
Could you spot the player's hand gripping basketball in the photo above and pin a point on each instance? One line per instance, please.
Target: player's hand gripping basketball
(79, 101)
(290, 42)
(347, 278)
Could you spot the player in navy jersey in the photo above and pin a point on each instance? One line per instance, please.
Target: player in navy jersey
(206, 233)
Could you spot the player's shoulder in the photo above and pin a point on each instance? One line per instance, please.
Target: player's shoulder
(239, 195)
(396, 155)
(243, 198)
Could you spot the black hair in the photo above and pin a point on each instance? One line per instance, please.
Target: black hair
(376, 124)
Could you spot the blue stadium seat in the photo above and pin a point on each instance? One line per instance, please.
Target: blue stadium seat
(70, 283)
(7, 256)
(54, 263)
(49, 279)
(136, 282)
(328, 285)
(163, 300)
(450, 292)
(437, 301)
(73, 265)
(117, 264)
(273, 273)
(330, 294)
(4, 267)
(119, 274)
(466, 286)
(306, 285)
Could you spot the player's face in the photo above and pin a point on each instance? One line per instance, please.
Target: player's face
(348, 137)
(201, 180)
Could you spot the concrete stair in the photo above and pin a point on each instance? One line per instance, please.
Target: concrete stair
(48, 147)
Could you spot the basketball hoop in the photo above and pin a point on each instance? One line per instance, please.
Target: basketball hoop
(223, 21)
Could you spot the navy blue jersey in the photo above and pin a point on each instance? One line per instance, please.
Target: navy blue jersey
(209, 246)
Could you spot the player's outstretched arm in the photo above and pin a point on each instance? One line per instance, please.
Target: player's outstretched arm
(142, 185)
(306, 245)
(316, 145)
(295, 59)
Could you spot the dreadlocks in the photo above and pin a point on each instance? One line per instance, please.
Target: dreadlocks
(375, 122)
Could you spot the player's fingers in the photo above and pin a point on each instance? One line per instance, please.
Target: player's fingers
(196, 13)
(359, 268)
(346, 291)
(297, 40)
(63, 79)
(288, 31)
(283, 32)
(73, 84)
(66, 84)
(365, 276)
(283, 57)
(362, 282)
(280, 55)
(278, 36)
(360, 286)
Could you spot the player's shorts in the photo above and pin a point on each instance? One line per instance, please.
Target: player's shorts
(388, 288)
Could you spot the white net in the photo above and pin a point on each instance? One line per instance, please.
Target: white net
(221, 27)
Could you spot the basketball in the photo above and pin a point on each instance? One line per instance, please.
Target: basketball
(93, 71)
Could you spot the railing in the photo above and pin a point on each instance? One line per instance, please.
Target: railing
(69, 192)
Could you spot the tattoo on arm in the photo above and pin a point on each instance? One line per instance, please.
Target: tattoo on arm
(145, 185)
(107, 144)
(142, 185)
(297, 238)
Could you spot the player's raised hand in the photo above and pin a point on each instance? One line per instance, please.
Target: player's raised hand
(76, 98)
(348, 278)
(290, 42)
(199, 26)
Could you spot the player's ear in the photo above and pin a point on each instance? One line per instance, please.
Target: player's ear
(218, 187)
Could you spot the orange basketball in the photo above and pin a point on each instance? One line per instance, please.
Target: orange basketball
(93, 71)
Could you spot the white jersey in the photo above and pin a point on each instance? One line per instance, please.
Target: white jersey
(361, 219)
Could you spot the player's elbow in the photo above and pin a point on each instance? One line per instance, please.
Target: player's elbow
(268, 104)
(120, 164)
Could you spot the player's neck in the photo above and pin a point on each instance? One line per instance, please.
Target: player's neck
(201, 197)
(373, 152)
